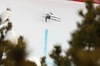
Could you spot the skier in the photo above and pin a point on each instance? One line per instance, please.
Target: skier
(48, 16)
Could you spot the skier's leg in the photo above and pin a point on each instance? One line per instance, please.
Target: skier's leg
(45, 19)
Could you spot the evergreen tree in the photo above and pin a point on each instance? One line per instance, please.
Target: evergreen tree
(58, 59)
(3, 43)
(85, 43)
(43, 61)
(15, 54)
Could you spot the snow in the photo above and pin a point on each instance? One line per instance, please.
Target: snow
(11, 36)
(36, 60)
(4, 16)
(4, 56)
(27, 20)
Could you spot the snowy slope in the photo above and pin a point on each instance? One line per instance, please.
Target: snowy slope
(26, 16)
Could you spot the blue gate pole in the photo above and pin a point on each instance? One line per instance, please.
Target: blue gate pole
(45, 48)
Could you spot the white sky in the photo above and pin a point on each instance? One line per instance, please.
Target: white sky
(27, 20)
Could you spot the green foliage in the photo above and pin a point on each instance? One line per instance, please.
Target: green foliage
(85, 42)
(55, 54)
(15, 54)
(43, 61)
(58, 59)
(30, 63)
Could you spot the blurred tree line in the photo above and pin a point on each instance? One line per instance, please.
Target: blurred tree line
(85, 41)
